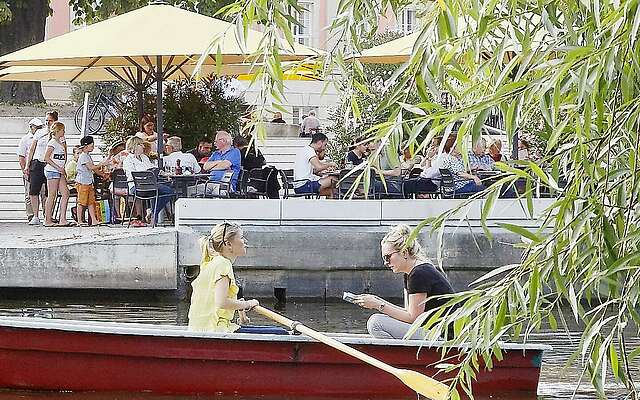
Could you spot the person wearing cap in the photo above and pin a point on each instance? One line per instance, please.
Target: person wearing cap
(84, 179)
(23, 153)
(34, 170)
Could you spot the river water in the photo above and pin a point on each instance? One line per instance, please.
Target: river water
(558, 381)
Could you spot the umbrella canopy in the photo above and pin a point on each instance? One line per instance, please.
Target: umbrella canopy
(156, 40)
(400, 50)
(138, 37)
(394, 52)
(107, 74)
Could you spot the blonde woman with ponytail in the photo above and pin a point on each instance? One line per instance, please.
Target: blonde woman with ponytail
(55, 158)
(214, 300)
(422, 282)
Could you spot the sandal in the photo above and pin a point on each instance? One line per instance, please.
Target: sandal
(68, 224)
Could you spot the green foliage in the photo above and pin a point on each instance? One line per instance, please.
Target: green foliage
(344, 127)
(573, 62)
(191, 110)
(7, 8)
(90, 11)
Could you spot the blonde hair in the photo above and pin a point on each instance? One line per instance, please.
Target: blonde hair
(398, 237)
(211, 245)
(132, 143)
(56, 127)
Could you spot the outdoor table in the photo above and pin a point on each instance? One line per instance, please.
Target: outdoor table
(182, 182)
(488, 177)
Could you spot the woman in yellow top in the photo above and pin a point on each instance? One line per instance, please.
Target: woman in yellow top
(214, 300)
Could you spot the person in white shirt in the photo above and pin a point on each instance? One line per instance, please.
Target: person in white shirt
(136, 161)
(308, 168)
(310, 124)
(55, 158)
(34, 171)
(174, 153)
(22, 153)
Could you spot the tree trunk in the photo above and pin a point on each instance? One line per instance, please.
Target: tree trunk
(25, 28)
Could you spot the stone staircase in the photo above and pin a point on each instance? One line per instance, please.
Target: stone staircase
(278, 152)
(11, 189)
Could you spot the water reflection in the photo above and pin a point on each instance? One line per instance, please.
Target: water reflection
(556, 382)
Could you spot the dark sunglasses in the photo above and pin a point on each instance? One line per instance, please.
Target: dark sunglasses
(224, 232)
(387, 257)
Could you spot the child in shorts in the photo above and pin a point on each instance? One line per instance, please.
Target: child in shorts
(84, 179)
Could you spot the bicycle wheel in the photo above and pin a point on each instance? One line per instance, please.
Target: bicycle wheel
(95, 118)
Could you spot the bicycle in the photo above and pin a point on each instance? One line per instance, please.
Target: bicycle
(104, 104)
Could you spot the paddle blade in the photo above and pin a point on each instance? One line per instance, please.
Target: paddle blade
(422, 384)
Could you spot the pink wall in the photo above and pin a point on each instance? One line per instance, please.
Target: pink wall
(60, 22)
(387, 21)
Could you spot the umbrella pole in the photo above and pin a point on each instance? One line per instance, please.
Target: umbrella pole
(140, 94)
(159, 109)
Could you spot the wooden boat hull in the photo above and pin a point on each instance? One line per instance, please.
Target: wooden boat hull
(41, 354)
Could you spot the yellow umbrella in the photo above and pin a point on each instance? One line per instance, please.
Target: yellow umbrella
(156, 40)
(137, 37)
(107, 74)
(400, 50)
(296, 73)
(394, 52)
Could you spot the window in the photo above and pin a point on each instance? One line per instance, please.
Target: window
(302, 34)
(408, 20)
(298, 111)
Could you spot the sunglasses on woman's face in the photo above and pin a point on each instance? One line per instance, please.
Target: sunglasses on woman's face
(387, 257)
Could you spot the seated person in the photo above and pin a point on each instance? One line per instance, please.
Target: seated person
(203, 151)
(495, 150)
(214, 300)
(250, 156)
(523, 150)
(359, 152)
(174, 153)
(423, 283)
(478, 159)
(392, 174)
(225, 158)
(429, 179)
(464, 182)
(308, 168)
(277, 118)
(137, 161)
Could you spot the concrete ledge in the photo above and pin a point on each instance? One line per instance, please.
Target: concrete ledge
(212, 211)
(321, 212)
(323, 261)
(89, 258)
(328, 212)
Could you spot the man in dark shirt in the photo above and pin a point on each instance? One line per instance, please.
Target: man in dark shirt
(203, 151)
(251, 157)
(277, 118)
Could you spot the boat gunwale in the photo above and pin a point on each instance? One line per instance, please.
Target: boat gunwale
(174, 331)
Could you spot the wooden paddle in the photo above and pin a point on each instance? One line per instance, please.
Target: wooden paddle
(422, 384)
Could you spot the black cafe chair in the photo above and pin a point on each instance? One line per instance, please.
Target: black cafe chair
(146, 189)
(288, 184)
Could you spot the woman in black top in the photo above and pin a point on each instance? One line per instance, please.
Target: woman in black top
(422, 282)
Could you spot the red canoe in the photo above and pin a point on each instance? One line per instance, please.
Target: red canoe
(50, 354)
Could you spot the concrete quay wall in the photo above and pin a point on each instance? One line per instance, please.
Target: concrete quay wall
(324, 261)
(88, 258)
